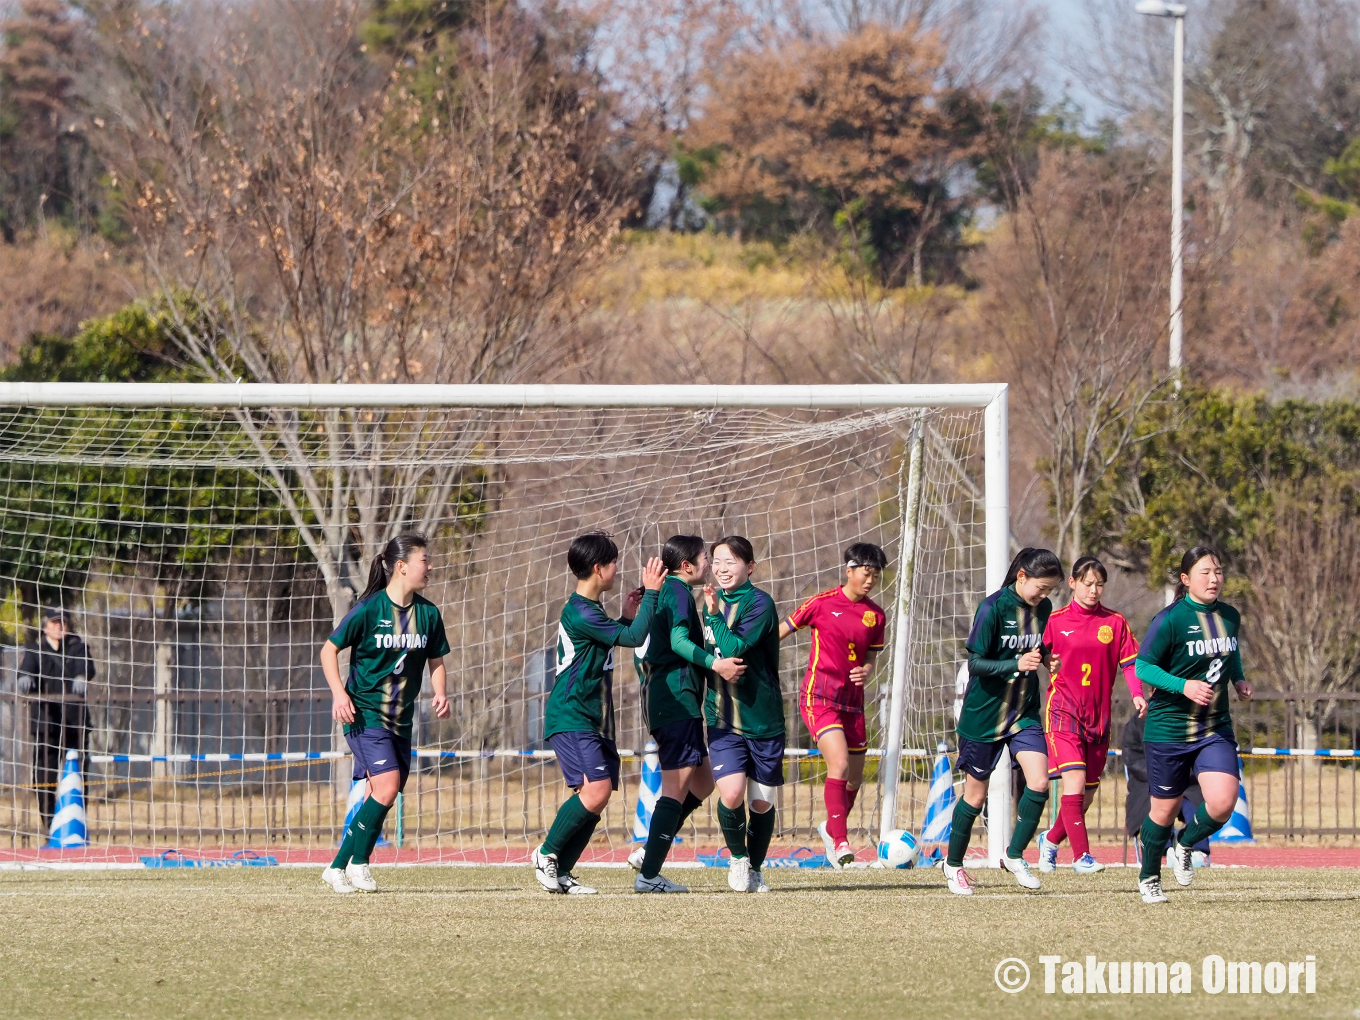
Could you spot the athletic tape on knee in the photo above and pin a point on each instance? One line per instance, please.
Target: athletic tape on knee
(759, 791)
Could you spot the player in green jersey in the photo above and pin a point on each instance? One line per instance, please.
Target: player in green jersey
(672, 664)
(1188, 659)
(392, 634)
(578, 721)
(1001, 710)
(745, 715)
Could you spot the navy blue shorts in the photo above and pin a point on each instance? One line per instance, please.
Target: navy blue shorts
(979, 757)
(377, 750)
(586, 755)
(732, 753)
(680, 744)
(1172, 767)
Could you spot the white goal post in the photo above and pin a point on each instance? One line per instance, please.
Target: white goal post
(251, 403)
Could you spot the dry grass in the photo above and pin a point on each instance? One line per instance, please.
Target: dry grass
(484, 942)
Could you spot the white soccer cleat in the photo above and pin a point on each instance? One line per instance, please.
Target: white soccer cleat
(830, 846)
(756, 883)
(960, 882)
(545, 870)
(660, 884)
(837, 856)
(635, 858)
(1182, 863)
(739, 874)
(1151, 890)
(1200, 859)
(1048, 853)
(335, 878)
(1086, 864)
(360, 877)
(566, 882)
(1020, 869)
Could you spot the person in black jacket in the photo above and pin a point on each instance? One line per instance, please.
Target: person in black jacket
(1138, 801)
(56, 673)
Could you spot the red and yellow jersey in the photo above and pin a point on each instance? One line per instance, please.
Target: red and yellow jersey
(843, 632)
(1092, 646)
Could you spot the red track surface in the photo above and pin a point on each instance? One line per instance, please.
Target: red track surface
(1225, 854)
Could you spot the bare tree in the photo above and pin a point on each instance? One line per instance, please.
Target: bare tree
(316, 216)
(1072, 291)
(1304, 568)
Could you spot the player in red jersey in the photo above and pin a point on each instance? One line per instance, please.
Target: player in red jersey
(847, 635)
(1093, 644)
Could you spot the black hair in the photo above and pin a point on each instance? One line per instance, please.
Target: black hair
(738, 546)
(1188, 561)
(1087, 563)
(866, 554)
(681, 549)
(396, 550)
(591, 550)
(1035, 563)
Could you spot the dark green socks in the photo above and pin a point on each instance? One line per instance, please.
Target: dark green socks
(732, 821)
(570, 817)
(961, 831)
(1201, 827)
(759, 832)
(368, 824)
(1028, 813)
(576, 845)
(665, 821)
(346, 847)
(1154, 838)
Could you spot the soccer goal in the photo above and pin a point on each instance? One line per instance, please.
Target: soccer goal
(203, 540)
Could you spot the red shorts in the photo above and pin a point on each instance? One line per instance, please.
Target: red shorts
(821, 718)
(1067, 751)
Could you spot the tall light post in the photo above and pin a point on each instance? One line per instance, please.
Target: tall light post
(1159, 9)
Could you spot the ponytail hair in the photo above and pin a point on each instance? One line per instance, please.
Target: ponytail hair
(681, 549)
(1035, 563)
(1188, 561)
(1085, 565)
(395, 551)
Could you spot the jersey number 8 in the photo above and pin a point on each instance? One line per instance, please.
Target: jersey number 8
(1215, 668)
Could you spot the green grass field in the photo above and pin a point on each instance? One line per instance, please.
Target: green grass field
(485, 942)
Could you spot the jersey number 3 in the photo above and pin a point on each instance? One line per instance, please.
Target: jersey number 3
(853, 656)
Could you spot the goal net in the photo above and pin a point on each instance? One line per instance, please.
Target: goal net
(203, 541)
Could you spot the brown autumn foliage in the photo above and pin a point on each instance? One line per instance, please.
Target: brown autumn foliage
(1073, 300)
(864, 120)
(51, 284)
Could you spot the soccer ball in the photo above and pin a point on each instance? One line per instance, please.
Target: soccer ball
(898, 849)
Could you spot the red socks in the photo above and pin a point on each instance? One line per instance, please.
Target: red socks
(1073, 819)
(850, 795)
(1057, 832)
(837, 809)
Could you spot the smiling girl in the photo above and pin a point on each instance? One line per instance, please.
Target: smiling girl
(745, 715)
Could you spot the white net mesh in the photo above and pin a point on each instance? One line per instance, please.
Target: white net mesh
(203, 556)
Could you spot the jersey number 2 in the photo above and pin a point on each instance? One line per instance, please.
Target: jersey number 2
(1086, 674)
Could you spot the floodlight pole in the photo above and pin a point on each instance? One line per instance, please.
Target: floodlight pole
(1160, 9)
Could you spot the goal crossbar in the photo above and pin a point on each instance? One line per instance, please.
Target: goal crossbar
(173, 395)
